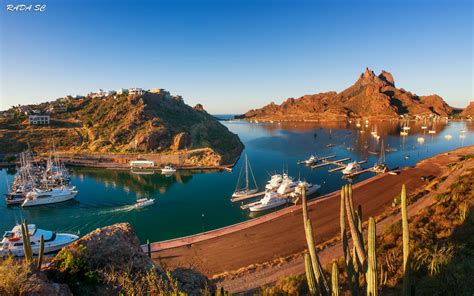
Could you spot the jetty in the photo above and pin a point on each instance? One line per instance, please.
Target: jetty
(326, 162)
(319, 159)
(236, 199)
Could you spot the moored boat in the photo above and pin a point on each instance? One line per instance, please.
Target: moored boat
(168, 169)
(245, 191)
(269, 201)
(351, 168)
(12, 241)
(38, 197)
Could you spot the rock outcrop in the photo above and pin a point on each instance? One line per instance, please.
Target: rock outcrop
(38, 284)
(370, 96)
(469, 111)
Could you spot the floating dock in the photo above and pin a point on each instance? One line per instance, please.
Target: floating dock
(236, 199)
(328, 162)
(318, 160)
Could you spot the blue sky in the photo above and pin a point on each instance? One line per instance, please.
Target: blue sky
(232, 55)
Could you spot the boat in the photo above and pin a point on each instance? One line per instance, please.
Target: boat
(12, 242)
(380, 167)
(245, 191)
(168, 169)
(274, 182)
(144, 202)
(287, 185)
(330, 145)
(420, 140)
(38, 197)
(311, 160)
(269, 201)
(351, 168)
(309, 189)
(448, 137)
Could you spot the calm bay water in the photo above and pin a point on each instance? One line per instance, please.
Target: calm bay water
(192, 202)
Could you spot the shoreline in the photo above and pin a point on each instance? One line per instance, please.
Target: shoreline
(273, 235)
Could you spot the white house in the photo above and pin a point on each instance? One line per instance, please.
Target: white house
(122, 91)
(135, 91)
(39, 119)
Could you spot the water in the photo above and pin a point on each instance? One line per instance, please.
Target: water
(192, 202)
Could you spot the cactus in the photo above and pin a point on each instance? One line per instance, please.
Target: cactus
(406, 244)
(313, 290)
(148, 248)
(335, 279)
(371, 274)
(315, 264)
(356, 237)
(41, 254)
(26, 242)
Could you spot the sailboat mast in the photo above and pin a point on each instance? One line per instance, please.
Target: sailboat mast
(246, 172)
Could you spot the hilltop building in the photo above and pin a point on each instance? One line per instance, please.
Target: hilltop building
(39, 119)
(135, 91)
(122, 91)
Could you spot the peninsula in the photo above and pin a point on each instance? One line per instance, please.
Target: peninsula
(371, 96)
(108, 129)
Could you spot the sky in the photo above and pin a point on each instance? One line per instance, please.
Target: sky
(234, 55)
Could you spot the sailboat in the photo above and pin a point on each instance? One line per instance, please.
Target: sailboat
(380, 166)
(245, 191)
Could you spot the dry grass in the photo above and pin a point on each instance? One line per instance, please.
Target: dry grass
(13, 274)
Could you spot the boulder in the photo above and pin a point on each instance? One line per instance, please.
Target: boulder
(199, 108)
(192, 282)
(38, 284)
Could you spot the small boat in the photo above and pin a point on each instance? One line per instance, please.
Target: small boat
(351, 168)
(12, 241)
(168, 169)
(144, 202)
(403, 133)
(448, 137)
(420, 140)
(269, 201)
(38, 197)
(431, 132)
(275, 182)
(330, 145)
(311, 160)
(15, 198)
(245, 191)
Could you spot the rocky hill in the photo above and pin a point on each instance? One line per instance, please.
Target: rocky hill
(469, 111)
(147, 124)
(370, 96)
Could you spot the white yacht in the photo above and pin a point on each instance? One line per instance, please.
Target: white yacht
(274, 183)
(312, 160)
(309, 188)
(351, 168)
(144, 202)
(13, 242)
(38, 197)
(269, 201)
(288, 185)
(245, 191)
(167, 169)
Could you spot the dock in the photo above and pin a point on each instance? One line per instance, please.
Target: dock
(236, 199)
(318, 160)
(328, 162)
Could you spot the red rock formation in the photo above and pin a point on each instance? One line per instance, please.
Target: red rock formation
(370, 96)
(469, 111)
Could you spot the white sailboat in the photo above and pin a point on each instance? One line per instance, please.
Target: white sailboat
(380, 166)
(12, 241)
(38, 197)
(245, 191)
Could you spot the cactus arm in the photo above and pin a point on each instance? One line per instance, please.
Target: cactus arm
(26, 244)
(353, 228)
(372, 260)
(335, 279)
(406, 290)
(317, 268)
(41, 253)
(313, 290)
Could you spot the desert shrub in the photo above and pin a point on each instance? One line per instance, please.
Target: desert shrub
(75, 268)
(433, 258)
(13, 275)
(290, 285)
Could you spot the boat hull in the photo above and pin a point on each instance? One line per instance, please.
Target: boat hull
(264, 207)
(49, 200)
(245, 193)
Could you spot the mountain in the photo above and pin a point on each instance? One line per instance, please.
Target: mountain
(370, 96)
(148, 123)
(469, 111)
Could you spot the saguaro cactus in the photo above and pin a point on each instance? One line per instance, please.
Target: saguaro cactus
(406, 243)
(371, 274)
(356, 237)
(322, 284)
(313, 289)
(335, 279)
(26, 242)
(41, 253)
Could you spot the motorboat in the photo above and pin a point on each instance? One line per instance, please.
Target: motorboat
(38, 197)
(275, 182)
(351, 168)
(403, 133)
(15, 198)
(167, 169)
(246, 190)
(448, 137)
(144, 202)
(309, 189)
(420, 140)
(288, 185)
(269, 201)
(12, 241)
(310, 161)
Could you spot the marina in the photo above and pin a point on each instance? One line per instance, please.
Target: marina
(110, 196)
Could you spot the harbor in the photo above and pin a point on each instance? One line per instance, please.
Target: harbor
(109, 196)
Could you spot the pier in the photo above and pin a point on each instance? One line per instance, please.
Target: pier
(328, 162)
(318, 160)
(236, 199)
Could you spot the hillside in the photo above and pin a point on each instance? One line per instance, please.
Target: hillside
(370, 96)
(149, 123)
(469, 111)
